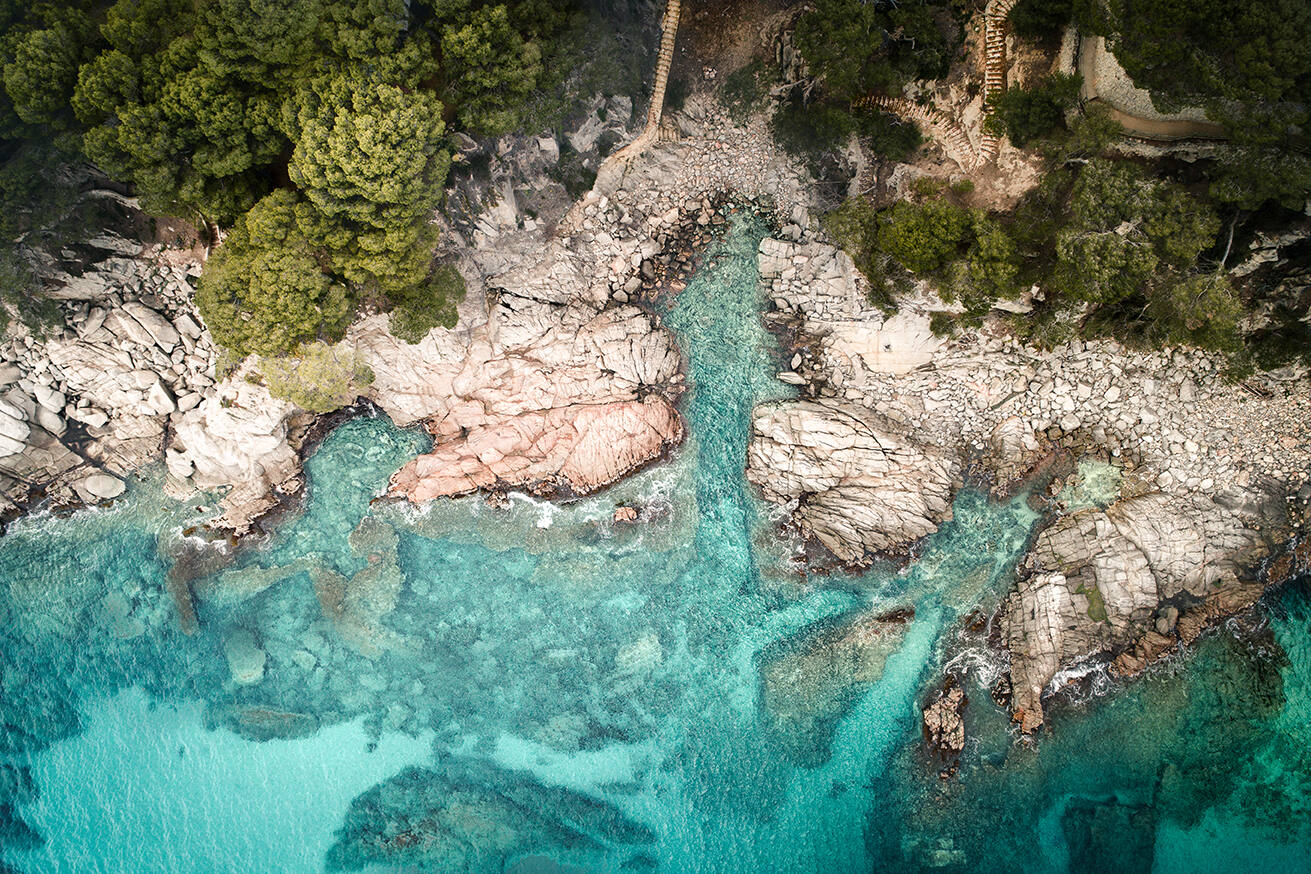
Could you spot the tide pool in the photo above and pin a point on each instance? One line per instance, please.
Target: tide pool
(475, 689)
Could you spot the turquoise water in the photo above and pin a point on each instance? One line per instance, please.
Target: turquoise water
(536, 688)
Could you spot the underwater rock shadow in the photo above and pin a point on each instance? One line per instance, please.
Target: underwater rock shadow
(475, 818)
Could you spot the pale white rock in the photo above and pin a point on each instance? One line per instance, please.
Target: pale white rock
(1093, 579)
(186, 326)
(161, 331)
(528, 355)
(159, 401)
(50, 421)
(124, 327)
(102, 485)
(238, 437)
(49, 398)
(862, 485)
(13, 424)
(10, 446)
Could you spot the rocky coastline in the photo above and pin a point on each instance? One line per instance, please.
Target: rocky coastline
(555, 382)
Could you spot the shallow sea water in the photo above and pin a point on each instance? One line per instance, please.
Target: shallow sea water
(537, 689)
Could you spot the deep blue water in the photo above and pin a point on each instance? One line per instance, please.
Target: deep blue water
(535, 688)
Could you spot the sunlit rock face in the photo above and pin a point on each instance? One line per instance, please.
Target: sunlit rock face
(862, 486)
(1099, 580)
(237, 437)
(577, 449)
(546, 396)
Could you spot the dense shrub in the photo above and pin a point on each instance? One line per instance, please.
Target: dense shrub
(269, 299)
(317, 377)
(429, 305)
(1025, 114)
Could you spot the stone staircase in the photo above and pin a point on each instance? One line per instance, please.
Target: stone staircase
(669, 29)
(933, 122)
(651, 131)
(947, 130)
(994, 70)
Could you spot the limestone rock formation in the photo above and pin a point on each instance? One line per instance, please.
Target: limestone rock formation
(861, 485)
(1097, 581)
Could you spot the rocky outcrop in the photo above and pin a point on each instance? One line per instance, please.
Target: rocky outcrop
(237, 437)
(553, 397)
(1138, 576)
(576, 450)
(1012, 450)
(860, 484)
(944, 726)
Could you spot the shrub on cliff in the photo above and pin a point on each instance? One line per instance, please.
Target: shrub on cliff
(317, 377)
(264, 290)
(1025, 114)
(428, 305)
(923, 237)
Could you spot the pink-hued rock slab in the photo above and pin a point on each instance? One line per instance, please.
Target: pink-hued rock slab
(581, 448)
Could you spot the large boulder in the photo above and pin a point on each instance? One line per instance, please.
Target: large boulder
(540, 395)
(577, 449)
(862, 486)
(1095, 581)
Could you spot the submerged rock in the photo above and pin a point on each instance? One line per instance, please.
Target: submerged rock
(358, 604)
(472, 819)
(809, 681)
(246, 659)
(862, 485)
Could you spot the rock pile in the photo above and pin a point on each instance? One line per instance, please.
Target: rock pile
(83, 408)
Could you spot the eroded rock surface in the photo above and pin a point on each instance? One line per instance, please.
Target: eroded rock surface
(577, 449)
(862, 485)
(1097, 581)
(541, 395)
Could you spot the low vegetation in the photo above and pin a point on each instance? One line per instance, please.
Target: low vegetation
(317, 377)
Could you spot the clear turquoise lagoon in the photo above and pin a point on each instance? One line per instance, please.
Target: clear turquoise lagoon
(535, 688)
